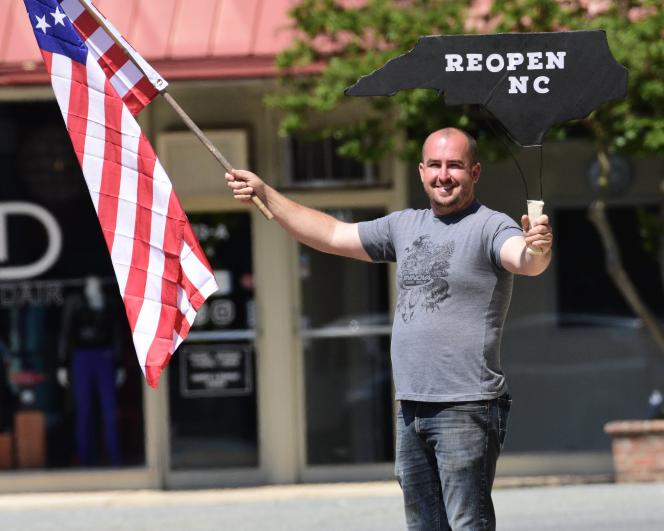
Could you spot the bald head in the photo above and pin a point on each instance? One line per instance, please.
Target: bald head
(444, 134)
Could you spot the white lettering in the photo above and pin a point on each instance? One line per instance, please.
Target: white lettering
(454, 62)
(53, 233)
(496, 62)
(514, 60)
(555, 60)
(534, 61)
(518, 84)
(493, 58)
(474, 64)
(35, 293)
(539, 81)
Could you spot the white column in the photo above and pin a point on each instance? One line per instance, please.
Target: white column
(277, 376)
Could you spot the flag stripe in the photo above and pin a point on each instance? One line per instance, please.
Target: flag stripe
(146, 320)
(122, 250)
(125, 78)
(193, 244)
(169, 318)
(197, 281)
(77, 119)
(73, 8)
(110, 183)
(59, 67)
(113, 59)
(137, 278)
(140, 95)
(85, 24)
(95, 133)
(184, 304)
(100, 43)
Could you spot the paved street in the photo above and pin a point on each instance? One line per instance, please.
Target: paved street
(341, 507)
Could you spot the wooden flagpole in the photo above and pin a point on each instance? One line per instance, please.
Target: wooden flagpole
(176, 107)
(211, 147)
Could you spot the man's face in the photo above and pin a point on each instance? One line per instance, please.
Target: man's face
(447, 173)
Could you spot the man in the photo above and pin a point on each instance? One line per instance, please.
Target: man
(455, 266)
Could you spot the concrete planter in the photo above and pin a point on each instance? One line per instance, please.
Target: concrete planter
(638, 450)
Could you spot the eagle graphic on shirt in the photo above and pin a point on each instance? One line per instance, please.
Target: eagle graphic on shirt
(421, 277)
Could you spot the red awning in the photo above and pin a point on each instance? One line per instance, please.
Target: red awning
(182, 39)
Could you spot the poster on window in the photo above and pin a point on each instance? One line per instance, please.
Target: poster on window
(213, 370)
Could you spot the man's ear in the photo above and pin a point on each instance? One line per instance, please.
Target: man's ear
(475, 172)
(420, 167)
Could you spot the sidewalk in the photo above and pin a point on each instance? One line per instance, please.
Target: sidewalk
(326, 507)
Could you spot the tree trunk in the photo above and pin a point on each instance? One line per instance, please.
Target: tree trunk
(616, 270)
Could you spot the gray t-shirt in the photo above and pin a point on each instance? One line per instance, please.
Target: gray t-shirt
(453, 297)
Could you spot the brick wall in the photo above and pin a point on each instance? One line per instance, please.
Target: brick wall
(638, 449)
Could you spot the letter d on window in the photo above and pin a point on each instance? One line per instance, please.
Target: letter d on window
(53, 233)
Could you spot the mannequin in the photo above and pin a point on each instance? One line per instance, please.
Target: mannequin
(90, 343)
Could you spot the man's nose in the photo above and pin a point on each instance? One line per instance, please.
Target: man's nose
(444, 175)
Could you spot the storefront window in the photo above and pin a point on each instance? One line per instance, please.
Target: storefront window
(349, 400)
(212, 395)
(585, 287)
(345, 330)
(70, 385)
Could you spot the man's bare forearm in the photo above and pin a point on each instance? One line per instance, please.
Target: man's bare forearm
(516, 259)
(534, 264)
(307, 225)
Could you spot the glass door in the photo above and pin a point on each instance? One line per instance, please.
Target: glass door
(212, 380)
(345, 332)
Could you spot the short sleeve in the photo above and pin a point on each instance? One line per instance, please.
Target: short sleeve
(377, 240)
(497, 230)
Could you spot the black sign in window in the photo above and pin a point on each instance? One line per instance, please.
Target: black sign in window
(215, 370)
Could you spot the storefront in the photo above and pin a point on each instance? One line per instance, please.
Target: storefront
(285, 376)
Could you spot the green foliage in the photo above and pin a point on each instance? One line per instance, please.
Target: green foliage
(341, 44)
(347, 43)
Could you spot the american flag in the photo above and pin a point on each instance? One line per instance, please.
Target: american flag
(162, 273)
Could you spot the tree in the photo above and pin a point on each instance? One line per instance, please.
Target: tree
(635, 125)
(347, 42)
(342, 40)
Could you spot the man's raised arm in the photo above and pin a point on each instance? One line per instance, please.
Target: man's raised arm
(311, 227)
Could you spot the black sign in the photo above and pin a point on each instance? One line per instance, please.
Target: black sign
(215, 370)
(528, 81)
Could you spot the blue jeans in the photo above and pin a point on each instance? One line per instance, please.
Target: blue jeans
(446, 461)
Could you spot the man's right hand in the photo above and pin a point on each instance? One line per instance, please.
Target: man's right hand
(244, 184)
